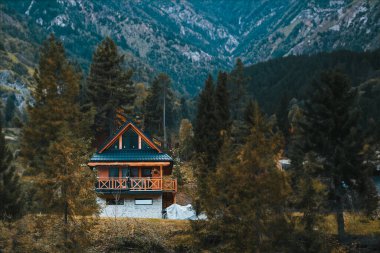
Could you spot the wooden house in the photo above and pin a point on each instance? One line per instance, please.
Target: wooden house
(133, 175)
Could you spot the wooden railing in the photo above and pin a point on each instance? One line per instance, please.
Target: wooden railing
(137, 184)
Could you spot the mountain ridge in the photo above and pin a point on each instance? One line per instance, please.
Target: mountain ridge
(189, 39)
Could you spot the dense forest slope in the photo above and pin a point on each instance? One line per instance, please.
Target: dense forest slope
(281, 79)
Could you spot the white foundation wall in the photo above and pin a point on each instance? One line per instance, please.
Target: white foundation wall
(130, 209)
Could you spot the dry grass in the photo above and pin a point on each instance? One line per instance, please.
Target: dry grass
(141, 235)
(356, 225)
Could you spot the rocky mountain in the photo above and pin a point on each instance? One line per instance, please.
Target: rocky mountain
(187, 39)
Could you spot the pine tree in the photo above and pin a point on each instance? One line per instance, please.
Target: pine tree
(159, 106)
(205, 134)
(185, 135)
(70, 188)
(57, 135)
(110, 88)
(10, 191)
(184, 108)
(55, 102)
(205, 139)
(222, 108)
(247, 194)
(330, 130)
(238, 88)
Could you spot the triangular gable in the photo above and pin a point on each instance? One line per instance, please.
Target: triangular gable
(121, 131)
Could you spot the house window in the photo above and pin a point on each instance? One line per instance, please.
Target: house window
(113, 202)
(146, 172)
(143, 201)
(113, 172)
(130, 140)
(125, 172)
(134, 172)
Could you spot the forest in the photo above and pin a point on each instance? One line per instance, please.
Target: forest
(321, 112)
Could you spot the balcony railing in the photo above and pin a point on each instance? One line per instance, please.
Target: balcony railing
(137, 184)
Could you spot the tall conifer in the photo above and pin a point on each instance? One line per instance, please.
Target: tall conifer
(54, 147)
(222, 108)
(246, 196)
(110, 88)
(206, 139)
(10, 191)
(238, 87)
(331, 132)
(159, 103)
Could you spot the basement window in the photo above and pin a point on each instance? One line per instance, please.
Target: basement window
(143, 201)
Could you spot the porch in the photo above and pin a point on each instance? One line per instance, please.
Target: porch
(137, 184)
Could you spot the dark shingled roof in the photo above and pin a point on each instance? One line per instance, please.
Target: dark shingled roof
(130, 155)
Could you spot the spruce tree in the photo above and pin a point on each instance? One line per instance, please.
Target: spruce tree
(330, 131)
(57, 135)
(206, 125)
(55, 102)
(206, 138)
(159, 106)
(222, 108)
(246, 196)
(238, 83)
(110, 88)
(10, 188)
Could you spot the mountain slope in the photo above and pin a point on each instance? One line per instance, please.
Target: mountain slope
(188, 39)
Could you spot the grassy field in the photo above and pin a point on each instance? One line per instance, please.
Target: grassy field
(167, 236)
(141, 235)
(157, 235)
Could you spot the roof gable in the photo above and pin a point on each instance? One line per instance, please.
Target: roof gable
(125, 127)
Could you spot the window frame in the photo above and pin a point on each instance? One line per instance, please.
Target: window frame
(144, 204)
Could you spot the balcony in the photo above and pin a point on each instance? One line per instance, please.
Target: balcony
(137, 184)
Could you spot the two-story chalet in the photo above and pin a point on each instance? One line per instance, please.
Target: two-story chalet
(133, 175)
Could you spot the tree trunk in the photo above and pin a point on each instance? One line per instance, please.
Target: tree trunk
(340, 216)
(164, 117)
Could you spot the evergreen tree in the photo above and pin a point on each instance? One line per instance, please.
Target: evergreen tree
(238, 88)
(10, 191)
(222, 108)
(159, 106)
(184, 108)
(206, 139)
(57, 135)
(110, 88)
(69, 187)
(205, 129)
(55, 103)
(185, 135)
(331, 132)
(247, 194)
(10, 108)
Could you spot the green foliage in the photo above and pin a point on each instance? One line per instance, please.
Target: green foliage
(238, 85)
(10, 188)
(55, 146)
(159, 94)
(276, 80)
(205, 135)
(330, 140)
(186, 136)
(222, 108)
(55, 104)
(246, 196)
(109, 87)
